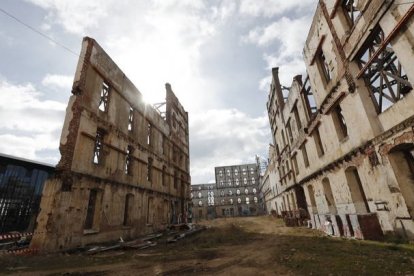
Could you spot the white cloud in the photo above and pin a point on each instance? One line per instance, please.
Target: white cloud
(58, 81)
(160, 41)
(225, 137)
(77, 16)
(269, 8)
(224, 10)
(286, 34)
(29, 124)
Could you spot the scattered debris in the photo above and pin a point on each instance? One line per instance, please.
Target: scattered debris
(176, 232)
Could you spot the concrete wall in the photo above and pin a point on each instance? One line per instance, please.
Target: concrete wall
(363, 176)
(118, 202)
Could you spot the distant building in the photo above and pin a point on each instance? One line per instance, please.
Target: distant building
(235, 193)
(203, 198)
(21, 185)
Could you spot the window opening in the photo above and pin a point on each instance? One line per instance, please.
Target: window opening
(164, 176)
(383, 73)
(103, 101)
(305, 155)
(149, 169)
(297, 118)
(351, 11)
(318, 142)
(339, 122)
(97, 153)
(310, 102)
(289, 130)
(357, 191)
(90, 213)
(130, 119)
(128, 160)
(324, 67)
(149, 134)
(128, 208)
(295, 164)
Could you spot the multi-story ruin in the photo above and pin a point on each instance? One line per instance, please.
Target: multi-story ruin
(203, 197)
(235, 193)
(237, 190)
(344, 135)
(124, 167)
(267, 186)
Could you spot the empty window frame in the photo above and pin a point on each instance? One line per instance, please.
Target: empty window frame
(131, 119)
(164, 145)
(297, 118)
(164, 176)
(351, 11)
(382, 71)
(323, 66)
(98, 148)
(309, 98)
(295, 164)
(339, 122)
(90, 211)
(318, 142)
(283, 138)
(289, 130)
(104, 99)
(149, 134)
(150, 211)
(149, 169)
(175, 179)
(128, 160)
(128, 210)
(305, 155)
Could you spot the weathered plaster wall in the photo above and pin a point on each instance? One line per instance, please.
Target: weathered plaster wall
(120, 198)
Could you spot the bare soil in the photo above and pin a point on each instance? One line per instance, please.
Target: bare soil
(233, 246)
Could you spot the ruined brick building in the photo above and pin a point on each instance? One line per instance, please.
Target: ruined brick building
(344, 135)
(124, 167)
(235, 193)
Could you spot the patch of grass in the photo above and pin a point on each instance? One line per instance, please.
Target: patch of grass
(323, 256)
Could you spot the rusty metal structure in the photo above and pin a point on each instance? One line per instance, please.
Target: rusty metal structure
(124, 167)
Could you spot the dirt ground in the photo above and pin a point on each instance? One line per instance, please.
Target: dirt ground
(233, 246)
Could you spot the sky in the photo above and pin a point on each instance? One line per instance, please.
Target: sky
(216, 54)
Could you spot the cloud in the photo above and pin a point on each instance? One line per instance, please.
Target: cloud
(29, 124)
(225, 137)
(160, 41)
(58, 81)
(77, 16)
(282, 35)
(269, 8)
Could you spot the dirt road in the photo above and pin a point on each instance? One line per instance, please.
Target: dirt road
(234, 246)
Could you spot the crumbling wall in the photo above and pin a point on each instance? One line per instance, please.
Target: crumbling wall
(358, 180)
(117, 176)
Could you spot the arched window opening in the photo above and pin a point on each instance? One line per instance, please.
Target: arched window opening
(402, 161)
(357, 191)
(329, 196)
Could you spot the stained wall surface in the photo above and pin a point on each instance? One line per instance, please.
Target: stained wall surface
(344, 134)
(124, 167)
